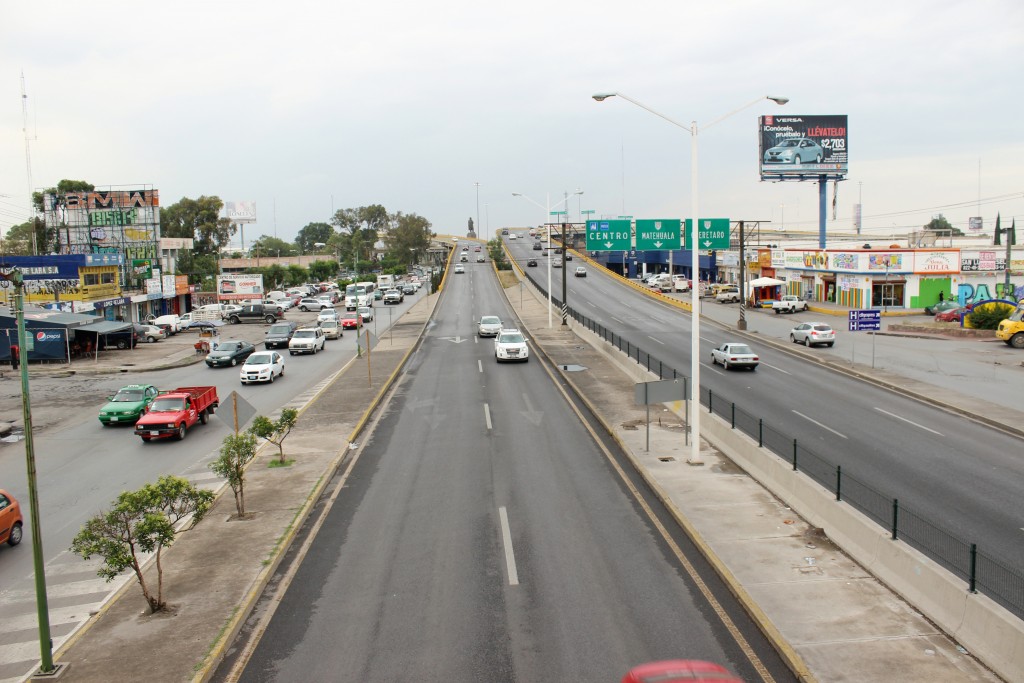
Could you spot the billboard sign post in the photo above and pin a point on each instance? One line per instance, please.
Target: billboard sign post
(803, 147)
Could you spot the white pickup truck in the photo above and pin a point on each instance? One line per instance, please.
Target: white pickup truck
(789, 304)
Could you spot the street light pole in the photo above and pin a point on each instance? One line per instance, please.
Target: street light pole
(695, 457)
(547, 218)
(478, 209)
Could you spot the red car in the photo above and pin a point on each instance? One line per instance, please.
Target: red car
(351, 321)
(10, 519)
(953, 315)
(679, 671)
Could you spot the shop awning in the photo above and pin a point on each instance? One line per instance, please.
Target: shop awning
(104, 327)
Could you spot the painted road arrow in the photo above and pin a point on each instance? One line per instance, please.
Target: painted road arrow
(457, 340)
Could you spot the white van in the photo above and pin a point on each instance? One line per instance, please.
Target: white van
(662, 282)
(276, 295)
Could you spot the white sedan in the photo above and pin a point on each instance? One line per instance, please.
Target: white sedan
(262, 366)
(366, 313)
(734, 355)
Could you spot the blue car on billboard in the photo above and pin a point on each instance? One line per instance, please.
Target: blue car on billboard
(795, 151)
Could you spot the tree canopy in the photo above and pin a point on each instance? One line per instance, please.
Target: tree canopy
(200, 220)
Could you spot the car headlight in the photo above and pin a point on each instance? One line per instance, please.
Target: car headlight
(171, 425)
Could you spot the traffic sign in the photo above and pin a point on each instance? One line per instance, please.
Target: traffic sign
(658, 234)
(712, 233)
(865, 319)
(608, 236)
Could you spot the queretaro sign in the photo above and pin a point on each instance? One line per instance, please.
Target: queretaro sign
(804, 146)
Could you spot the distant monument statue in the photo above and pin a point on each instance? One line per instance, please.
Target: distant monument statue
(472, 233)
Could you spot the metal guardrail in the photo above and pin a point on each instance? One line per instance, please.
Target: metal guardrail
(983, 572)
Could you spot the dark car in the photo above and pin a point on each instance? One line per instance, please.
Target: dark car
(229, 353)
(122, 339)
(408, 288)
(945, 305)
(537, 246)
(531, 263)
(280, 334)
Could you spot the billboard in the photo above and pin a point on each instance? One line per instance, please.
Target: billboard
(238, 287)
(240, 212)
(802, 147)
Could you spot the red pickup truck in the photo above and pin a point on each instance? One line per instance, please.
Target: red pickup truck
(172, 413)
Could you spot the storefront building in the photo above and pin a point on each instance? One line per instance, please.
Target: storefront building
(872, 278)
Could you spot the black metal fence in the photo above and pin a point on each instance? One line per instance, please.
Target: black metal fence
(982, 571)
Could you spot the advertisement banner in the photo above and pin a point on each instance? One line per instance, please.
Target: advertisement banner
(240, 212)
(238, 287)
(805, 146)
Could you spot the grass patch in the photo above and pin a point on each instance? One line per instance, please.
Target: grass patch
(220, 635)
(277, 463)
(507, 278)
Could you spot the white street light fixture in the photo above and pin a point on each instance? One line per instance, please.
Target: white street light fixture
(695, 457)
(547, 218)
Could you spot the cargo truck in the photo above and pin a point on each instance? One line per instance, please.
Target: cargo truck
(173, 413)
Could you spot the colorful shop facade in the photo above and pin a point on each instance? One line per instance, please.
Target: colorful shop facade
(872, 278)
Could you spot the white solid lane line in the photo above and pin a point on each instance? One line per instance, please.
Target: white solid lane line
(487, 415)
(617, 320)
(510, 556)
(909, 421)
(775, 368)
(480, 365)
(820, 425)
(657, 340)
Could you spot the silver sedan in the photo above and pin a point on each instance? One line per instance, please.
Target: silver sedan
(735, 355)
(813, 334)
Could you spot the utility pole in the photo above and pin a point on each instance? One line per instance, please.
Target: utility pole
(28, 159)
(15, 277)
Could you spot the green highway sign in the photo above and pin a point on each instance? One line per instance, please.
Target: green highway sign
(609, 236)
(660, 234)
(557, 213)
(712, 233)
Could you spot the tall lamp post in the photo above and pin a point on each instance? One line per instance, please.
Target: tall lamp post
(695, 457)
(547, 218)
(480, 229)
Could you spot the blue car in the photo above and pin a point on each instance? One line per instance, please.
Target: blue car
(795, 151)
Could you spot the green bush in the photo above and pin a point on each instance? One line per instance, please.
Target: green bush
(989, 316)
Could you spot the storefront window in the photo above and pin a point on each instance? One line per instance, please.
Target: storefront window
(887, 294)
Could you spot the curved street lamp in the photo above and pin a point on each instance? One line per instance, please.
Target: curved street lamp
(547, 217)
(695, 457)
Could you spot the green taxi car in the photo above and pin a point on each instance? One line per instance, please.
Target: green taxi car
(127, 404)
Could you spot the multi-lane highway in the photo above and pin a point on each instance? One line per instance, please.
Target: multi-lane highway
(959, 475)
(483, 534)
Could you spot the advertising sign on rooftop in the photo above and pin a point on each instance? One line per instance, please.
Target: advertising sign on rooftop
(803, 147)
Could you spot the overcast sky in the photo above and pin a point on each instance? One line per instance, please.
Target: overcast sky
(305, 107)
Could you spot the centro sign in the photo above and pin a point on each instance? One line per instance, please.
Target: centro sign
(612, 235)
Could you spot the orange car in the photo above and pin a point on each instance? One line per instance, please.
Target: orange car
(10, 519)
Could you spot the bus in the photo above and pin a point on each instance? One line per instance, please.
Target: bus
(359, 294)
(385, 281)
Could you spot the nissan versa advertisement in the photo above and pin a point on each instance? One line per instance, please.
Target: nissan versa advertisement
(237, 287)
(803, 146)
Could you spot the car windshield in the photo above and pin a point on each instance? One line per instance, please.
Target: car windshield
(127, 396)
(327, 324)
(259, 359)
(739, 349)
(490, 320)
(278, 329)
(511, 338)
(303, 334)
(229, 346)
(167, 405)
(788, 143)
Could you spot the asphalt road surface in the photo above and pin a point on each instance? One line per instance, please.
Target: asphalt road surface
(482, 535)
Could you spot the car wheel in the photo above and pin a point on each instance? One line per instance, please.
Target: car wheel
(753, 368)
(150, 339)
(122, 344)
(271, 376)
(234, 362)
(1017, 341)
(303, 309)
(270, 320)
(235, 320)
(797, 160)
(807, 342)
(15, 537)
(792, 338)
(204, 417)
(725, 364)
(145, 439)
(829, 345)
(292, 353)
(777, 311)
(182, 430)
(817, 159)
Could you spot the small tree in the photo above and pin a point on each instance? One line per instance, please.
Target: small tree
(140, 522)
(235, 453)
(275, 431)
